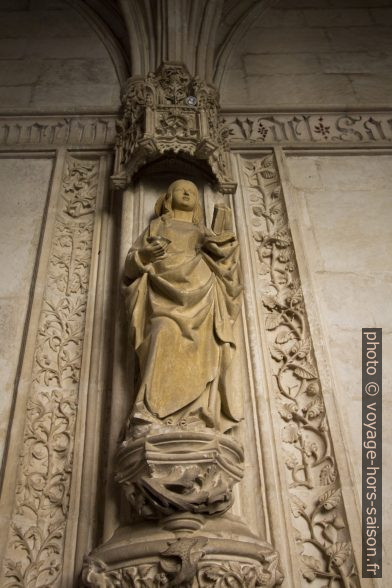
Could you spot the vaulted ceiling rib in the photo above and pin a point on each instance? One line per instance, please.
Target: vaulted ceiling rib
(202, 34)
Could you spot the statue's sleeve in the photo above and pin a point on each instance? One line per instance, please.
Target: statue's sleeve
(134, 268)
(221, 252)
(134, 288)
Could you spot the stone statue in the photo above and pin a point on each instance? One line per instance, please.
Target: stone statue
(183, 292)
(176, 466)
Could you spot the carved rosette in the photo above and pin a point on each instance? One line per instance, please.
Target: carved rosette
(319, 521)
(42, 497)
(171, 112)
(179, 472)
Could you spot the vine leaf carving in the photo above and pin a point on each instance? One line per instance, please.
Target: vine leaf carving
(313, 483)
(38, 524)
(330, 499)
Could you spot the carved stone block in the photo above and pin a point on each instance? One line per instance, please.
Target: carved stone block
(186, 551)
(37, 530)
(179, 471)
(313, 485)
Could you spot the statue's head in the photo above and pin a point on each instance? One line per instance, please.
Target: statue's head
(180, 195)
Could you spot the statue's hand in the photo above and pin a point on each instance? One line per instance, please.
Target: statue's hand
(156, 249)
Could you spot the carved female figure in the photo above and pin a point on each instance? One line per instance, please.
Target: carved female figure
(183, 293)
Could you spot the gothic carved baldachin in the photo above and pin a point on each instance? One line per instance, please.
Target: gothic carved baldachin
(171, 112)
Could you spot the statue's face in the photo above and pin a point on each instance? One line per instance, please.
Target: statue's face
(184, 195)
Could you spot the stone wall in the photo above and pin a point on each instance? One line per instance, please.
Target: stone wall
(23, 200)
(301, 54)
(316, 53)
(344, 216)
(51, 60)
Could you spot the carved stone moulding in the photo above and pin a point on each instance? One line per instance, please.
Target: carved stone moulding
(179, 471)
(171, 112)
(216, 552)
(314, 488)
(36, 539)
(56, 130)
(321, 128)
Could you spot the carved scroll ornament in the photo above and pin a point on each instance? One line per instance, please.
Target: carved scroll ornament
(36, 541)
(319, 521)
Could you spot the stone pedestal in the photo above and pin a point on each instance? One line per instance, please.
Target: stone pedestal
(184, 550)
(179, 485)
(179, 471)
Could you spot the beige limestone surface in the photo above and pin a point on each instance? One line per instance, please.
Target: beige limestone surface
(52, 60)
(345, 212)
(23, 190)
(316, 53)
(182, 271)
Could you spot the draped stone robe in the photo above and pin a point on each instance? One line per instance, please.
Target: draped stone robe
(182, 309)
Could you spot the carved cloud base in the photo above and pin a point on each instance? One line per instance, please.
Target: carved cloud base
(184, 550)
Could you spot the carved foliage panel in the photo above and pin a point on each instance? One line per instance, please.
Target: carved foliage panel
(318, 515)
(38, 523)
